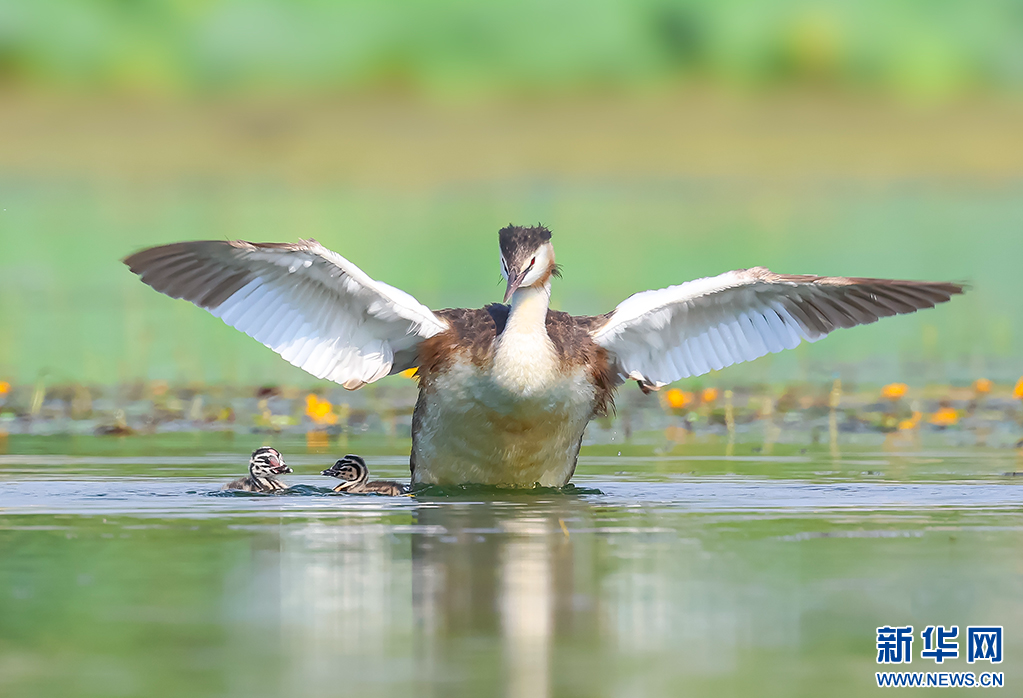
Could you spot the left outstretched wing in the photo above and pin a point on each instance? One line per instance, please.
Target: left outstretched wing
(310, 305)
(656, 337)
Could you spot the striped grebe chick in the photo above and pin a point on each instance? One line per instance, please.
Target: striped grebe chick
(506, 391)
(353, 471)
(264, 465)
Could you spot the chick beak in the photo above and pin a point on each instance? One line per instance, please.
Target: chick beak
(514, 283)
(278, 465)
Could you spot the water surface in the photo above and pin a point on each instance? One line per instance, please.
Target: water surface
(125, 571)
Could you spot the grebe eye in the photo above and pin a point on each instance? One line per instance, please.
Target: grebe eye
(532, 261)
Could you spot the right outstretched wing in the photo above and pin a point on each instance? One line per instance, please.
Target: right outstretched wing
(657, 337)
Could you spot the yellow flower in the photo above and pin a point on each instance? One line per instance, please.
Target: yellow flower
(1017, 392)
(982, 386)
(944, 417)
(894, 391)
(320, 411)
(677, 399)
(911, 423)
(709, 395)
(5, 387)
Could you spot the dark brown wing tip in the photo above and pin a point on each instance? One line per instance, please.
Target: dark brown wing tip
(952, 288)
(140, 257)
(156, 251)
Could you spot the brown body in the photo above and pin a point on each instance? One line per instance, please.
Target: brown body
(472, 339)
(474, 332)
(376, 486)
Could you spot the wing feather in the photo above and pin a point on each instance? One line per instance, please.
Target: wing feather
(720, 346)
(660, 336)
(271, 317)
(310, 305)
(713, 361)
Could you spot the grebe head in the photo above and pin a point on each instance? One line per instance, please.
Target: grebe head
(352, 469)
(527, 257)
(267, 462)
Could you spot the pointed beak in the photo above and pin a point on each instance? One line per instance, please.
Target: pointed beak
(513, 284)
(278, 465)
(333, 470)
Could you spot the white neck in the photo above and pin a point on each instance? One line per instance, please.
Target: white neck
(525, 361)
(529, 310)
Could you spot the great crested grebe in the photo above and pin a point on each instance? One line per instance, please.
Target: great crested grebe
(506, 391)
(264, 465)
(353, 471)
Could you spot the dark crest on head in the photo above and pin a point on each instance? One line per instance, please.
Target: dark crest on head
(518, 242)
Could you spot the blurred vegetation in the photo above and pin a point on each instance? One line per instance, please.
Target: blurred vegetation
(985, 413)
(661, 141)
(915, 47)
(70, 311)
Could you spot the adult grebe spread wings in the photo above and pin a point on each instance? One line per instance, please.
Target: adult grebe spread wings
(506, 391)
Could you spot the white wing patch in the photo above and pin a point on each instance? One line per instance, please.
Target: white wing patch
(310, 305)
(657, 337)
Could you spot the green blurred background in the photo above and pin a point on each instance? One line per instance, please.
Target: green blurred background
(661, 141)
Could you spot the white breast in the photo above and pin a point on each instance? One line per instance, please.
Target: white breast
(525, 362)
(517, 423)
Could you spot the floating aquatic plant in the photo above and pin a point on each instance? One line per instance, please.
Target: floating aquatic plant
(946, 416)
(320, 410)
(894, 391)
(678, 399)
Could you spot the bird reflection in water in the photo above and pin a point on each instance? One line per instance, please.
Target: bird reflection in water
(501, 571)
(472, 590)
